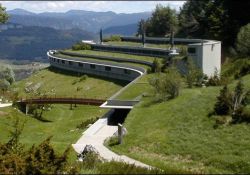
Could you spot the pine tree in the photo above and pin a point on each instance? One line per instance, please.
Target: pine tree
(222, 106)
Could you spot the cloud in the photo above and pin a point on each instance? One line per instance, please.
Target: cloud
(115, 6)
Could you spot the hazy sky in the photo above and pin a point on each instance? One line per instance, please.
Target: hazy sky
(115, 6)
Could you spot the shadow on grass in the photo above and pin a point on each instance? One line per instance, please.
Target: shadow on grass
(42, 119)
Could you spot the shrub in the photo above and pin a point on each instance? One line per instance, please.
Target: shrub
(222, 106)
(112, 38)
(81, 46)
(82, 78)
(114, 167)
(194, 75)
(235, 103)
(85, 123)
(214, 80)
(243, 40)
(156, 68)
(167, 86)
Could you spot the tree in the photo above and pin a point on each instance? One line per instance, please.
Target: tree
(3, 15)
(243, 40)
(4, 85)
(223, 104)
(192, 18)
(162, 22)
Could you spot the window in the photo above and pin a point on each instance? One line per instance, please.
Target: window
(92, 66)
(70, 63)
(57, 60)
(63, 62)
(191, 50)
(126, 71)
(107, 68)
(80, 64)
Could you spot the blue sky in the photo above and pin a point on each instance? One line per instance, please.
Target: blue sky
(115, 6)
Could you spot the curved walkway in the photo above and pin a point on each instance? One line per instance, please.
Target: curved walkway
(96, 135)
(100, 130)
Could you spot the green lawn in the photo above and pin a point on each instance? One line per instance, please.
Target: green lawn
(127, 43)
(114, 54)
(102, 61)
(61, 83)
(178, 135)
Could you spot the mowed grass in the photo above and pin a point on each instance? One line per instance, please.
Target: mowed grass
(102, 61)
(114, 54)
(178, 135)
(59, 83)
(139, 44)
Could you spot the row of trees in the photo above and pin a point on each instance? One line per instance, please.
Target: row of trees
(214, 19)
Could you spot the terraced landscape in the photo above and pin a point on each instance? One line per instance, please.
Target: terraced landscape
(176, 136)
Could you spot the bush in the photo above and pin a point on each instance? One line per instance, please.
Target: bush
(112, 38)
(235, 103)
(81, 46)
(223, 104)
(82, 78)
(167, 86)
(114, 167)
(243, 40)
(156, 68)
(85, 123)
(236, 68)
(214, 80)
(194, 75)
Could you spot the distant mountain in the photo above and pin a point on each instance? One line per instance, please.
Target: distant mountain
(20, 12)
(30, 42)
(86, 20)
(126, 30)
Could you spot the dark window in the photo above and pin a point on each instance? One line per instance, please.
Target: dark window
(54, 59)
(57, 60)
(70, 63)
(126, 71)
(92, 66)
(107, 68)
(80, 64)
(63, 61)
(191, 50)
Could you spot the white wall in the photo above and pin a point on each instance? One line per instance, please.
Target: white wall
(211, 58)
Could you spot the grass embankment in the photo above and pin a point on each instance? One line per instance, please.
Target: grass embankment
(114, 54)
(139, 44)
(62, 122)
(101, 61)
(55, 82)
(178, 135)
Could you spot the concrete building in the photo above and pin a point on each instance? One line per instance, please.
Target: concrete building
(206, 55)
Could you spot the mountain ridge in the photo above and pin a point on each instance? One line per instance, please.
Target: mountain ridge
(86, 20)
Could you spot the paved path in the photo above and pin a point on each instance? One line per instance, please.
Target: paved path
(5, 104)
(96, 135)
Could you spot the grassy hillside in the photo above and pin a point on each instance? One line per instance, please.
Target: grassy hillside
(60, 83)
(61, 124)
(178, 135)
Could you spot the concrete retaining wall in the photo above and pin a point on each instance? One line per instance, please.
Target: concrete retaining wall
(105, 70)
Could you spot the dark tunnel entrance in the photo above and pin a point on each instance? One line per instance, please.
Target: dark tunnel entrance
(117, 116)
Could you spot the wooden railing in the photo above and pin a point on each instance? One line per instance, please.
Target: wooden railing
(61, 100)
